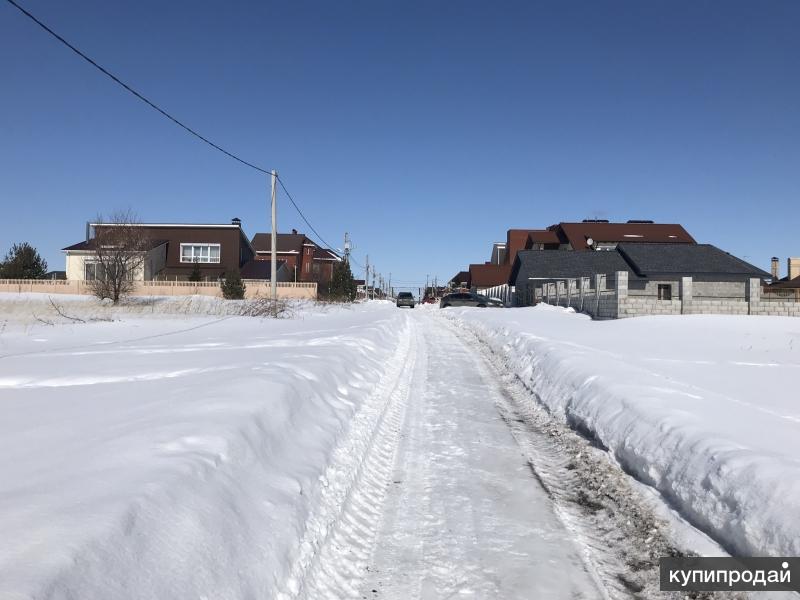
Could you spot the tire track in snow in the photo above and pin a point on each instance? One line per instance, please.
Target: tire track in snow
(339, 535)
(622, 535)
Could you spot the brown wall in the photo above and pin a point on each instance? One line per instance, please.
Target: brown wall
(234, 251)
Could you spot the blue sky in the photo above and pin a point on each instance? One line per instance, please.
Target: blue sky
(425, 129)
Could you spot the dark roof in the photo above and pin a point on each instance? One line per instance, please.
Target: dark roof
(578, 233)
(550, 264)
(544, 236)
(650, 260)
(488, 275)
(785, 284)
(286, 242)
(325, 254)
(91, 244)
(259, 269)
(461, 277)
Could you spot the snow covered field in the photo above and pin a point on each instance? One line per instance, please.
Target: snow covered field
(180, 457)
(705, 409)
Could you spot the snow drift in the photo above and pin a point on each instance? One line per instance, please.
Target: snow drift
(178, 457)
(703, 408)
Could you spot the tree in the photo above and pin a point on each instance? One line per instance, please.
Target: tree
(23, 262)
(233, 287)
(196, 274)
(342, 286)
(120, 251)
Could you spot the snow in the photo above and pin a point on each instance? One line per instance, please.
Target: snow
(702, 408)
(179, 456)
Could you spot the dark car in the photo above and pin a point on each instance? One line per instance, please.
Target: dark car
(405, 299)
(470, 299)
(464, 299)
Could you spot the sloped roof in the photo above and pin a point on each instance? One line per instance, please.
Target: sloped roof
(286, 242)
(552, 264)
(92, 244)
(461, 277)
(325, 254)
(488, 275)
(544, 236)
(259, 269)
(785, 284)
(650, 260)
(578, 233)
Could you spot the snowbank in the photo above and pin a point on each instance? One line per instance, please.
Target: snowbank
(178, 458)
(703, 408)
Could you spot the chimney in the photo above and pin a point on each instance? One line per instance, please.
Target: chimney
(794, 267)
(294, 231)
(776, 268)
(236, 221)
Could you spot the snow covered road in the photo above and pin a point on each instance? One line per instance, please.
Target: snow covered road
(464, 516)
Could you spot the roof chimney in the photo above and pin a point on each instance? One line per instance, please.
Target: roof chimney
(236, 221)
(294, 231)
(776, 268)
(794, 267)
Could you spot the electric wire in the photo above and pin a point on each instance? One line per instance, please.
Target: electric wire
(153, 105)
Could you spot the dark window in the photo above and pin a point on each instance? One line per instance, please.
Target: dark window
(664, 291)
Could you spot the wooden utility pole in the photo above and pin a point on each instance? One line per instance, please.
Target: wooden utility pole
(273, 275)
(366, 281)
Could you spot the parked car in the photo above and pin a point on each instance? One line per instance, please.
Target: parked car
(493, 302)
(470, 299)
(405, 299)
(464, 299)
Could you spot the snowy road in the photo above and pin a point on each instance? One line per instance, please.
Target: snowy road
(464, 516)
(449, 506)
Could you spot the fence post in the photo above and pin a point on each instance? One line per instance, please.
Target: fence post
(686, 295)
(753, 295)
(622, 292)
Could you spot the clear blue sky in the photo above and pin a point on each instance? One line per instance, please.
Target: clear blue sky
(425, 129)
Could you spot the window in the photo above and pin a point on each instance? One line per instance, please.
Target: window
(664, 291)
(308, 267)
(201, 253)
(92, 271)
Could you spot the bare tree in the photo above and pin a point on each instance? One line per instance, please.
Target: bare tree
(120, 250)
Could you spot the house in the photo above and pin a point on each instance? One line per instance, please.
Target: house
(173, 251)
(588, 235)
(305, 260)
(597, 234)
(655, 272)
(460, 280)
(786, 288)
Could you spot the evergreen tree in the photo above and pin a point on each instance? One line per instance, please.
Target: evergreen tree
(23, 262)
(196, 274)
(342, 286)
(233, 287)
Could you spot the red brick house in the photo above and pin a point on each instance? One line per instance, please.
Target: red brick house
(305, 260)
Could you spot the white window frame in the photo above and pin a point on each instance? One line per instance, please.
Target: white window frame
(199, 258)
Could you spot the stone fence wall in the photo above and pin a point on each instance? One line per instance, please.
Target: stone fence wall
(591, 295)
(255, 288)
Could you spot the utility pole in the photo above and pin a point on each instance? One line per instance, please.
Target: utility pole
(391, 295)
(346, 248)
(274, 255)
(366, 281)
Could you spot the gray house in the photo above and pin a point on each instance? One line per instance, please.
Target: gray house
(638, 278)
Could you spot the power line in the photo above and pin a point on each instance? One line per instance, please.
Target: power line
(153, 105)
(302, 216)
(116, 79)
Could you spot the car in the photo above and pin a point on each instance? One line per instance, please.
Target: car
(470, 299)
(405, 299)
(464, 299)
